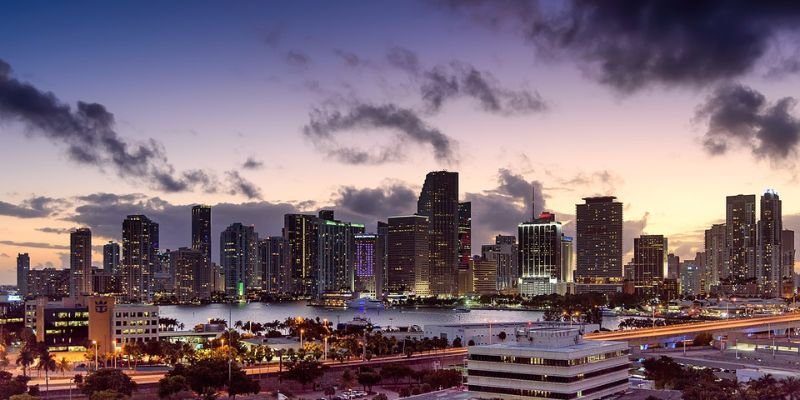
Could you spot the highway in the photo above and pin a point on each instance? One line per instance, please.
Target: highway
(683, 329)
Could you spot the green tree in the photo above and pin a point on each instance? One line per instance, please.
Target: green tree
(25, 359)
(108, 394)
(169, 386)
(702, 339)
(23, 396)
(46, 362)
(457, 342)
(11, 385)
(368, 379)
(348, 378)
(329, 391)
(107, 379)
(242, 384)
(304, 371)
(395, 372)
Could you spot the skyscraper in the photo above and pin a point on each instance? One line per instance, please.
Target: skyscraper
(464, 234)
(300, 232)
(740, 237)
(111, 258)
(335, 255)
(189, 264)
(274, 258)
(787, 251)
(366, 262)
(438, 201)
(238, 256)
(540, 258)
(506, 255)
(599, 239)
(381, 256)
(716, 254)
(408, 257)
(80, 261)
(139, 257)
(23, 269)
(769, 257)
(649, 259)
(201, 241)
(673, 266)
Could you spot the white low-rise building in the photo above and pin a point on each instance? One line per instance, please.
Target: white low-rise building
(548, 363)
(135, 323)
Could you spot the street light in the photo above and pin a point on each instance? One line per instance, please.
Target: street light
(96, 365)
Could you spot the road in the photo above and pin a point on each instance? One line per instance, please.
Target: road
(62, 382)
(683, 329)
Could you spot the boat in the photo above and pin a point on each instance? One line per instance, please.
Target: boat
(365, 303)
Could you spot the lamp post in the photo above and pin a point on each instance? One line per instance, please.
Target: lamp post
(96, 365)
(301, 338)
(325, 350)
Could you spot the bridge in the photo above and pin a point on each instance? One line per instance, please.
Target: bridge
(677, 333)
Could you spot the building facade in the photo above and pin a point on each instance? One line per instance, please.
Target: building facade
(80, 261)
(274, 258)
(464, 234)
(715, 253)
(201, 241)
(238, 246)
(23, 270)
(599, 239)
(649, 259)
(438, 201)
(740, 237)
(408, 257)
(139, 257)
(300, 232)
(111, 258)
(769, 257)
(540, 258)
(366, 263)
(189, 266)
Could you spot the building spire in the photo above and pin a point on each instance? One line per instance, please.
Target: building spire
(533, 202)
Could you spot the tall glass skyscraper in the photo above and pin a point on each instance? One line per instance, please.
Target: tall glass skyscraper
(80, 261)
(438, 201)
(599, 239)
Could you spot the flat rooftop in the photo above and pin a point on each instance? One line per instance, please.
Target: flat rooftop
(582, 345)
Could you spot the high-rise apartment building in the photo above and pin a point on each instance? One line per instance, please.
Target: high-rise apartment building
(506, 255)
(540, 258)
(201, 241)
(464, 234)
(649, 259)
(740, 237)
(787, 258)
(23, 269)
(366, 262)
(673, 266)
(716, 254)
(300, 232)
(188, 265)
(381, 256)
(408, 255)
(599, 239)
(769, 256)
(80, 261)
(111, 258)
(438, 201)
(238, 246)
(274, 258)
(139, 257)
(336, 253)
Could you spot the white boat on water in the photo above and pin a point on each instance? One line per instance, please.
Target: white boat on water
(365, 303)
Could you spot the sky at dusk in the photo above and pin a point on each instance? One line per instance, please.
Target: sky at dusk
(265, 108)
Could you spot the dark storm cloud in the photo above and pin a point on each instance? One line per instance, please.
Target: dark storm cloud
(462, 80)
(377, 203)
(632, 44)
(240, 185)
(739, 116)
(403, 59)
(88, 133)
(35, 207)
(632, 229)
(501, 209)
(405, 126)
(57, 231)
(252, 163)
(298, 59)
(35, 245)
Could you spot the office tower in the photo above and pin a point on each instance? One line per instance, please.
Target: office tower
(23, 268)
(139, 257)
(80, 261)
(567, 258)
(599, 239)
(381, 254)
(300, 232)
(335, 241)
(408, 257)
(274, 258)
(464, 234)
(690, 278)
(111, 258)
(770, 227)
(201, 231)
(238, 256)
(740, 237)
(189, 264)
(540, 258)
(438, 201)
(506, 254)
(366, 262)
(787, 251)
(700, 262)
(715, 253)
(484, 276)
(649, 259)
(673, 266)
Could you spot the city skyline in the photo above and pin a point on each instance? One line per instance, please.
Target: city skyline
(245, 94)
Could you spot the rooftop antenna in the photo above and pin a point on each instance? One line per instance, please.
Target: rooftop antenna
(533, 202)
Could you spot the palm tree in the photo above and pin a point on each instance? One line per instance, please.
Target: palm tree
(25, 359)
(64, 365)
(791, 388)
(47, 363)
